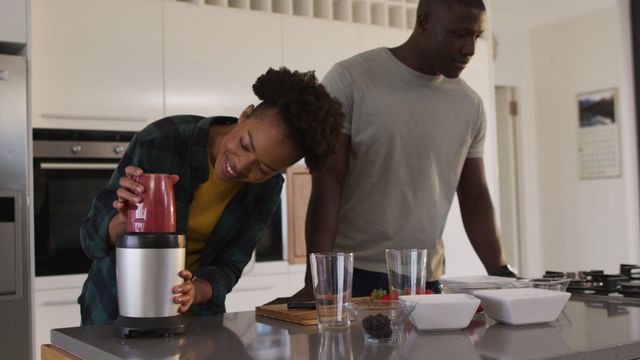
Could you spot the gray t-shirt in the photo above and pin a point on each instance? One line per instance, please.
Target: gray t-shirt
(410, 135)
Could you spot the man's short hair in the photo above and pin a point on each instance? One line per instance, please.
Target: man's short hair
(473, 4)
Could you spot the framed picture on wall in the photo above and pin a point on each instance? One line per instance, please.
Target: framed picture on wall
(598, 140)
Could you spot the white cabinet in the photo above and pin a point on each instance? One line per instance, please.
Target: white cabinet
(317, 44)
(372, 37)
(213, 55)
(96, 64)
(55, 306)
(13, 21)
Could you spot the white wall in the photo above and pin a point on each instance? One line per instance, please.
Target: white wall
(571, 224)
(585, 224)
(513, 68)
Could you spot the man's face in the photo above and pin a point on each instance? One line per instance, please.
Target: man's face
(449, 37)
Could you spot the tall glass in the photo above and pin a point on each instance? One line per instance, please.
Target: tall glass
(332, 275)
(407, 270)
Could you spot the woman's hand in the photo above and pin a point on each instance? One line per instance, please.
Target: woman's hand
(129, 191)
(186, 292)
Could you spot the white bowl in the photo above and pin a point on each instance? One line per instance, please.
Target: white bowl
(522, 306)
(442, 311)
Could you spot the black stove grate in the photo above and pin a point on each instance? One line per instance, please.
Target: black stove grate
(596, 282)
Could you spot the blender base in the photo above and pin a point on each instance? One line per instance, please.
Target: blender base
(131, 327)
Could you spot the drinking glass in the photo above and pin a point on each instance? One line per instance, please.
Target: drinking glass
(332, 275)
(407, 270)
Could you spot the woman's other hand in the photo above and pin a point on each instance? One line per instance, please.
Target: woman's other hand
(129, 191)
(186, 292)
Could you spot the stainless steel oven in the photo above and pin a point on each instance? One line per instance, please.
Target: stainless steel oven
(70, 167)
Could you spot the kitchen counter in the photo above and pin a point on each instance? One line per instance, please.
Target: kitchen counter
(584, 330)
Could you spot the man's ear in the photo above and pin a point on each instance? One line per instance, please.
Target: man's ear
(423, 22)
(246, 112)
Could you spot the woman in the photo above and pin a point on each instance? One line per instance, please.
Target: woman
(229, 186)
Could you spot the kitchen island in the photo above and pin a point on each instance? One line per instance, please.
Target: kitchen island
(585, 330)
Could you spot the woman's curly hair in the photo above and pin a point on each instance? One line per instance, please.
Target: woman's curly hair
(312, 118)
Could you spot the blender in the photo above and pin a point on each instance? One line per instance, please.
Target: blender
(148, 259)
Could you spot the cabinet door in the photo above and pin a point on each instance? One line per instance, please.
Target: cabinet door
(298, 184)
(13, 21)
(213, 56)
(316, 44)
(54, 309)
(96, 64)
(372, 37)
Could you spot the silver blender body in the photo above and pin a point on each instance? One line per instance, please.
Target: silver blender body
(147, 267)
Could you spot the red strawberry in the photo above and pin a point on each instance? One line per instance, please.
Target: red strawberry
(480, 309)
(377, 293)
(428, 292)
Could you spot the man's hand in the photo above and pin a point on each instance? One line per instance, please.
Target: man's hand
(305, 294)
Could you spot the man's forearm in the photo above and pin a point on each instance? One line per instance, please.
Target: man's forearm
(322, 219)
(480, 224)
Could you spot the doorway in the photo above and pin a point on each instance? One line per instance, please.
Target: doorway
(507, 130)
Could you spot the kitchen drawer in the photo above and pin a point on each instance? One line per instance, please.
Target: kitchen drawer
(54, 309)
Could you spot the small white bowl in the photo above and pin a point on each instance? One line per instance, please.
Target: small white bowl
(522, 306)
(442, 311)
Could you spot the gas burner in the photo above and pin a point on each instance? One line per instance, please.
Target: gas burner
(630, 271)
(596, 282)
(630, 288)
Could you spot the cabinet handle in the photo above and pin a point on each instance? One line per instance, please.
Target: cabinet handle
(92, 117)
(59, 302)
(78, 166)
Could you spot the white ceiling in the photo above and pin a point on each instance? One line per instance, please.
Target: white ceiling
(539, 12)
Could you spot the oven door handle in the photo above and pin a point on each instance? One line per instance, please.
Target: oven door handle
(77, 166)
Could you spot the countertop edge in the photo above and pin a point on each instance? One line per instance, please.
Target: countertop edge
(81, 349)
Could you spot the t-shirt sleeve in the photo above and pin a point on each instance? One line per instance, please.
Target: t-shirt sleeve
(476, 150)
(339, 85)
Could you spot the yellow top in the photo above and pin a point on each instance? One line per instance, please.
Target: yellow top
(207, 206)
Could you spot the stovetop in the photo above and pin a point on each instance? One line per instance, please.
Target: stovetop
(596, 283)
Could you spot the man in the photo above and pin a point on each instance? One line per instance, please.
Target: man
(414, 135)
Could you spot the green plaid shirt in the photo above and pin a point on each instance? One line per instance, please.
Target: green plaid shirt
(177, 145)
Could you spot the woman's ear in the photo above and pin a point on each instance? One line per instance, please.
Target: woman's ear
(246, 112)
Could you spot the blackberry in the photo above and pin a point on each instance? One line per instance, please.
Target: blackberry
(377, 326)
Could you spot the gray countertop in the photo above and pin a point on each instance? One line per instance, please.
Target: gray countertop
(584, 330)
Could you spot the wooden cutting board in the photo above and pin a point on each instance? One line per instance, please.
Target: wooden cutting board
(303, 317)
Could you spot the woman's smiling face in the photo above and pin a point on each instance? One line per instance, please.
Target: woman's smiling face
(256, 149)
